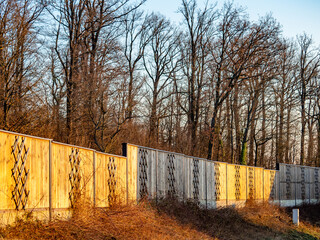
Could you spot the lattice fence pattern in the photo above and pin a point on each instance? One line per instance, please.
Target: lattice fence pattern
(237, 183)
(171, 177)
(288, 182)
(316, 184)
(251, 183)
(195, 179)
(143, 172)
(217, 181)
(272, 185)
(20, 173)
(74, 176)
(303, 183)
(112, 181)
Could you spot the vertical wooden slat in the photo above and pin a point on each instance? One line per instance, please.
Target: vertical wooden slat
(50, 180)
(94, 177)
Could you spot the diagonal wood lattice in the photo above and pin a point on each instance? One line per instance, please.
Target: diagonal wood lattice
(237, 183)
(288, 182)
(303, 184)
(217, 192)
(196, 179)
(171, 177)
(19, 173)
(74, 176)
(272, 185)
(316, 184)
(251, 183)
(112, 182)
(143, 176)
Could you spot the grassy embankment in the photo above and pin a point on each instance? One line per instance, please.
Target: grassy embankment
(172, 220)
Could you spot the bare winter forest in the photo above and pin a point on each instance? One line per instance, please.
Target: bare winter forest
(98, 73)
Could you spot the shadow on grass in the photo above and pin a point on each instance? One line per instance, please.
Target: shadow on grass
(295, 235)
(251, 222)
(168, 219)
(308, 212)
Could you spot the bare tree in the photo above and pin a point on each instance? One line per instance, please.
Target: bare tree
(194, 52)
(308, 67)
(160, 65)
(136, 39)
(17, 51)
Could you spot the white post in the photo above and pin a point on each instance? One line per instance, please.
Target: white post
(295, 216)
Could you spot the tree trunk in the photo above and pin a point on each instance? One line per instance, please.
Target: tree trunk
(288, 135)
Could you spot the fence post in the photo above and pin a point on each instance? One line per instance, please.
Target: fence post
(226, 184)
(263, 185)
(206, 179)
(157, 176)
(125, 154)
(279, 178)
(94, 178)
(246, 183)
(50, 180)
(295, 185)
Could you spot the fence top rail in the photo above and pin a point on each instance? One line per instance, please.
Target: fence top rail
(109, 154)
(89, 149)
(192, 157)
(25, 135)
(234, 164)
(71, 145)
(165, 151)
(60, 143)
(296, 165)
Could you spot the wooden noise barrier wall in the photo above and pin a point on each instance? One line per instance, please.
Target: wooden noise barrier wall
(47, 178)
(214, 184)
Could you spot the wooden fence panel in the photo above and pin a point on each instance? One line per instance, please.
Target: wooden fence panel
(110, 179)
(200, 182)
(269, 185)
(152, 171)
(210, 185)
(188, 175)
(36, 163)
(251, 189)
(161, 176)
(29, 191)
(312, 185)
(131, 152)
(243, 183)
(317, 184)
(72, 174)
(287, 184)
(258, 183)
(220, 169)
(178, 162)
(233, 188)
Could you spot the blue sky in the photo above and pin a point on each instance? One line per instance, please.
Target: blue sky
(296, 16)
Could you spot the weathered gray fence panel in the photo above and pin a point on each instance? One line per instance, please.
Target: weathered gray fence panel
(212, 184)
(162, 174)
(211, 203)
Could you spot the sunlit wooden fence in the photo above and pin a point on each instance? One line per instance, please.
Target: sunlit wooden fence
(47, 178)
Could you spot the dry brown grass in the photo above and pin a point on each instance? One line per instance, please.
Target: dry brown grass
(254, 221)
(168, 219)
(121, 222)
(280, 220)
